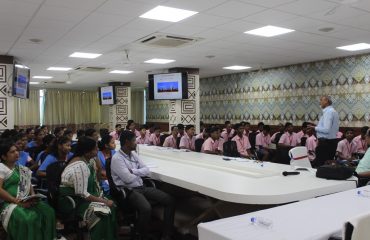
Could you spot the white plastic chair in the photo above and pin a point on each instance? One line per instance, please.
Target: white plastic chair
(357, 228)
(299, 157)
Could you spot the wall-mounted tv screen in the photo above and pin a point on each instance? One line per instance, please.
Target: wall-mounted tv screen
(168, 86)
(107, 95)
(21, 82)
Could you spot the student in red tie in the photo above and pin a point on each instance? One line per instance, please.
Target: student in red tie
(154, 137)
(188, 140)
(170, 141)
(347, 148)
(213, 144)
(242, 141)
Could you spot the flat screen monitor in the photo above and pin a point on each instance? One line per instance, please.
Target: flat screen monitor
(107, 95)
(21, 82)
(168, 86)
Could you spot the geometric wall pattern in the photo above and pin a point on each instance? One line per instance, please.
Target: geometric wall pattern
(282, 94)
(5, 100)
(120, 113)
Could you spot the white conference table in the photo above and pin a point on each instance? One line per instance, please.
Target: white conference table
(313, 219)
(238, 181)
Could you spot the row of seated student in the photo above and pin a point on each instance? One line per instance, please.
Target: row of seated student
(261, 143)
(82, 169)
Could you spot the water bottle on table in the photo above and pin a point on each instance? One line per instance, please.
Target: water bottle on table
(260, 221)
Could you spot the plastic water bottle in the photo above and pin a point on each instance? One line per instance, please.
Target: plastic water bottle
(263, 222)
(363, 193)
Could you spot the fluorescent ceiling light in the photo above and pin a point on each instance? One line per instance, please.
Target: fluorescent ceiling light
(159, 61)
(355, 47)
(84, 55)
(42, 77)
(21, 66)
(59, 69)
(168, 14)
(121, 71)
(236, 67)
(269, 31)
(34, 83)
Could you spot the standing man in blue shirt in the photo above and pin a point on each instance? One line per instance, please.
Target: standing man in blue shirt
(326, 132)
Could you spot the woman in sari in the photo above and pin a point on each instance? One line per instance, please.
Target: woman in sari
(32, 219)
(79, 181)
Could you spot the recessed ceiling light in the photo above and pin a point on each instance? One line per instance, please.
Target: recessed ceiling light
(269, 31)
(355, 47)
(59, 69)
(121, 71)
(236, 67)
(159, 61)
(168, 14)
(84, 55)
(34, 83)
(42, 77)
(21, 66)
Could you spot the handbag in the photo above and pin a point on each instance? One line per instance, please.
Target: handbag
(334, 172)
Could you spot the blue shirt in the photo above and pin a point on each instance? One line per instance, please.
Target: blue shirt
(104, 183)
(51, 159)
(31, 144)
(23, 158)
(329, 124)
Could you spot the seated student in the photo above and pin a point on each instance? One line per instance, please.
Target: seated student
(242, 141)
(247, 128)
(68, 133)
(289, 139)
(107, 148)
(32, 219)
(263, 140)
(117, 132)
(275, 138)
(228, 131)
(60, 152)
(44, 129)
(213, 144)
(347, 148)
(188, 140)
(360, 140)
(58, 132)
(48, 142)
(363, 168)
(311, 144)
(170, 141)
(127, 169)
(181, 129)
(78, 180)
(302, 133)
(203, 135)
(143, 138)
(30, 134)
(36, 146)
(260, 127)
(154, 138)
(149, 129)
(92, 133)
(24, 157)
(131, 126)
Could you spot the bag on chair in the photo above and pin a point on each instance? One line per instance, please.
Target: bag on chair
(334, 172)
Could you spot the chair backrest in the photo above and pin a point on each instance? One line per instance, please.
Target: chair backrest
(178, 142)
(231, 149)
(198, 144)
(357, 228)
(53, 179)
(116, 194)
(252, 139)
(299, 157)
(162, 138)
(303, 141)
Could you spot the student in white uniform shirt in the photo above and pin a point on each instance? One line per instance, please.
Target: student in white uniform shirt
(127, 169)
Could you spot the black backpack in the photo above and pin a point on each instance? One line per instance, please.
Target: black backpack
(334, 172)
(230, 149)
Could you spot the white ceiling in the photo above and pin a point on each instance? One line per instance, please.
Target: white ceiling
(110, 26)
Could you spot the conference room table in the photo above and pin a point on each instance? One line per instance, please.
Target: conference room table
(238, 180)
(313, 219)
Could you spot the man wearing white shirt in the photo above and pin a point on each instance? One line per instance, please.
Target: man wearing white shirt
(127, 169)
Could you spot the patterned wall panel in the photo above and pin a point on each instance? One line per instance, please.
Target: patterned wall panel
(290, 93)
(5, 100)
(122, 108)
(158, 110)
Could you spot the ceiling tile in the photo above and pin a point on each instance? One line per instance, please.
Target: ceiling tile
(339, 14)
(307, 7)
(206, 20)
(194, 5)
(126, 8)
(235, 10)
(73, 4)
(269, 3)
(62, 14)
(270, 17)
(182, 29)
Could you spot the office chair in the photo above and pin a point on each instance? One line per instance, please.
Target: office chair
(198, 144)
(231, 149)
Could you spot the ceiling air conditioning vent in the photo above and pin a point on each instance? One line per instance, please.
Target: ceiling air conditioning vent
(167, 41)
(90, 69)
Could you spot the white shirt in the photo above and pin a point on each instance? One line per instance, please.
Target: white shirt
(120, 169)
(77, 175)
